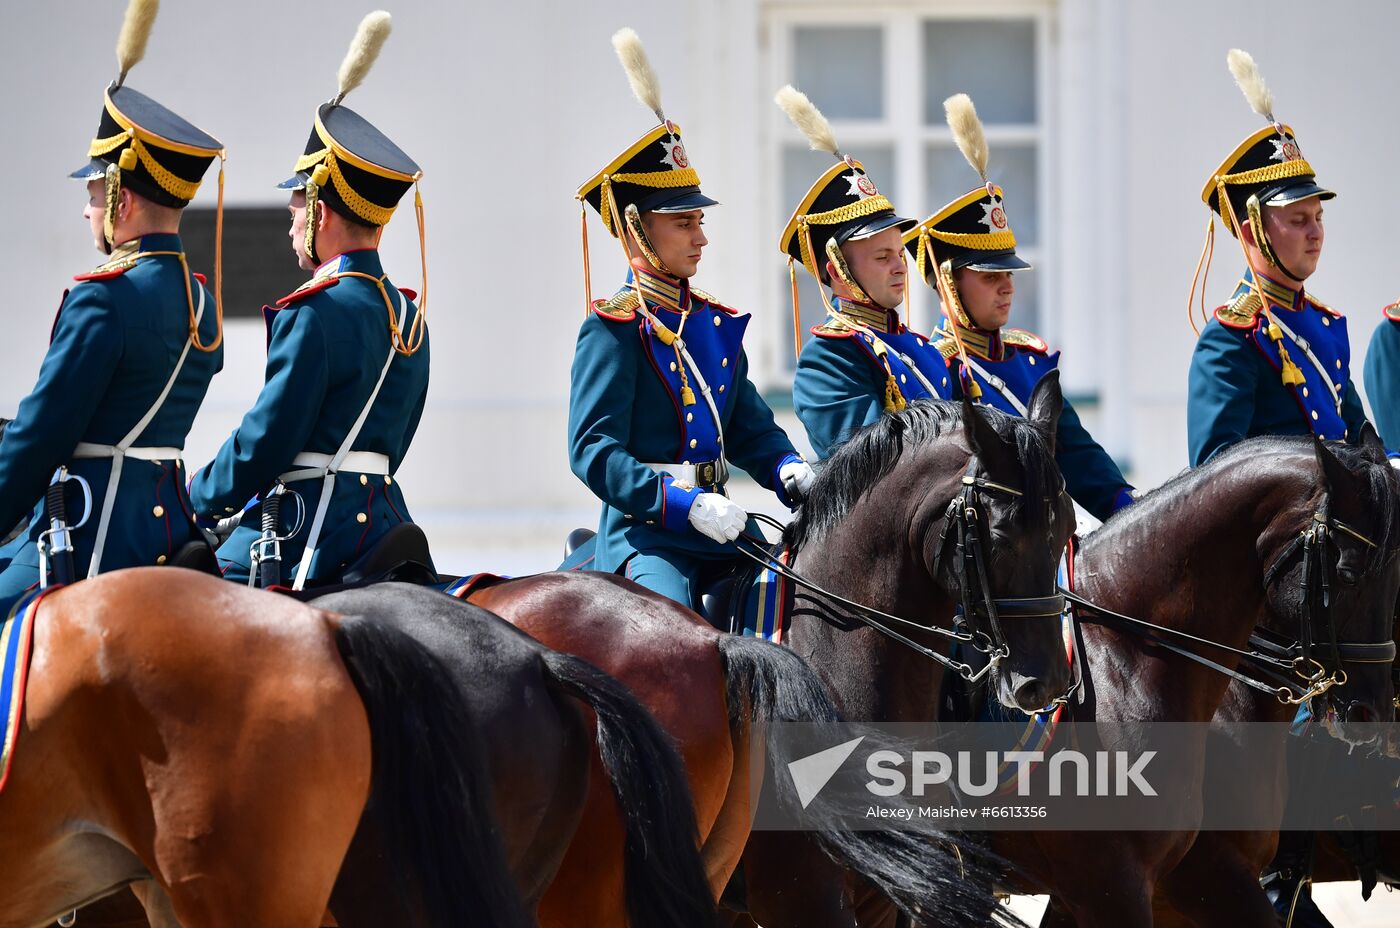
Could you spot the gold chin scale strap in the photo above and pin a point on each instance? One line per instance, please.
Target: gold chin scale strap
(947, 286)
(1291, 374)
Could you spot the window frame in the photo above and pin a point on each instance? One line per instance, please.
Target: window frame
(902, 25)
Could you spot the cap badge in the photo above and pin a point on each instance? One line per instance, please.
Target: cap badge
(862, 187)
(675, 156)
(1286, 149)
(995, 216)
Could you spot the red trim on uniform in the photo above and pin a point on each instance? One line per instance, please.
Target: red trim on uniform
(1392, 312)
(369, 520)
(715, 304)
(411, 294)
(666, 388)
(201, 278)
(818, 331)
(104, 275)
(390, 500)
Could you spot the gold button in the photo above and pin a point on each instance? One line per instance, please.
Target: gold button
(627, 515)
(1305, 391)
(693, 443)
(361, 518)
(721, 388)
(903, 379)
(1339, 364)
(717, 320)
(364, 480)
(1314, 414)
(690, 417)
(158, 511)
(686, 462)
(945, 382)
(724, 362)
(1032, 360)
(388, 481)
(161, 559)
(673, 365)
(1326, 321)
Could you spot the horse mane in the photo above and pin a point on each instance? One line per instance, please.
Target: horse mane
(1380, 495)
(870, 454)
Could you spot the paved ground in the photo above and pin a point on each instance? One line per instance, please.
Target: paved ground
(1340, 902)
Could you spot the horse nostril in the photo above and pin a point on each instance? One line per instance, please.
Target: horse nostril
(1033, 694)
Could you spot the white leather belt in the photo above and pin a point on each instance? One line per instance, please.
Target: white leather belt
(87, 449)
(704, 474)
(315, 464)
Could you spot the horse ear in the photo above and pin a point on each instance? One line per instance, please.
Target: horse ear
(1334, 472)
(970, 419)
(1047, 402)
(1371, 445)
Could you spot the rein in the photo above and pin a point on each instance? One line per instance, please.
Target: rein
(963, 523)
(1274, 664)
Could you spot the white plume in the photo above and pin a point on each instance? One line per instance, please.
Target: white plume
(136, 29)
(967, 131)
(805, 116)
(364, 49)
(638, 67)
(1251, 82)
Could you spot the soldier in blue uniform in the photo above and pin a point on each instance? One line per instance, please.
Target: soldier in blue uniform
(864, 361)
(1274, 360)
(967, 252)
(132, 352)
(660, 397)
(1382, 377)
(347, 360)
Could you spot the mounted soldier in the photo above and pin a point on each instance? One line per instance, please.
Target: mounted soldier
(1274, 360)
(863, 360)
(660, 396)
(347, 362)
(967, 252)
(92, 458)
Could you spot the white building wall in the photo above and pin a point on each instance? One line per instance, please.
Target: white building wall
(508, 106)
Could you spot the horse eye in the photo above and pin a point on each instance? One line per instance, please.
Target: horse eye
(1348, 576)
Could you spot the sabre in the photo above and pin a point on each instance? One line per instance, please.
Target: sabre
(56, 545)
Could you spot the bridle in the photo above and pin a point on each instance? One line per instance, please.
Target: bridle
(1291, 672)
(980, 623)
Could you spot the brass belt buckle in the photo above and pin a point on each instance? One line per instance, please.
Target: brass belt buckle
(705, 474)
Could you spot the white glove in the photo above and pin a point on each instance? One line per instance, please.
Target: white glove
(717, 517)
(797, 478)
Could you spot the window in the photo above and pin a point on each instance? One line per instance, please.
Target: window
(881, 74)
(259, 266)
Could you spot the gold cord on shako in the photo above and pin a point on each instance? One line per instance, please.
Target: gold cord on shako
(838, 206)
(1269, 156)
(642, 172)
(168, 169)
(367, 174)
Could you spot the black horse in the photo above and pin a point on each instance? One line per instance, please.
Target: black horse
(879, 529)
(1222, 553)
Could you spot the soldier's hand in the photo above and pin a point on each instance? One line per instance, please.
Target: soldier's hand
(717, 517)
(797, 478)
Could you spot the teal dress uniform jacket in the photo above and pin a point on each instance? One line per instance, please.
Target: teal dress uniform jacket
(119, 334)
(327, 344)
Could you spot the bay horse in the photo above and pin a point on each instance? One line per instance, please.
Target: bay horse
(1214, 553)
(873, 529)
(230, 751)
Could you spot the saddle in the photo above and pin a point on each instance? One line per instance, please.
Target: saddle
(737, 596)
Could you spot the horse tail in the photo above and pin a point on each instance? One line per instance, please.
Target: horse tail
(430, 790)
(924, 870)
(665, 882)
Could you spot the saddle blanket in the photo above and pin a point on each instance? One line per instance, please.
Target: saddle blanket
(463, 587)
(16, 639)
(765, 606)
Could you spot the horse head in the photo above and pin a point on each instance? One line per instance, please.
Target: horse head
(1340, 595)
(1012, 502)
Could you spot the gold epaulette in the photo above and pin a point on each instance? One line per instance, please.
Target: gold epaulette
(1023, 339)
(948, 347)
(120, 261)
(832, 327)
(697, 293)
(622, 305)
(1392, 312)
(1241, 312)
(1321, 305)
